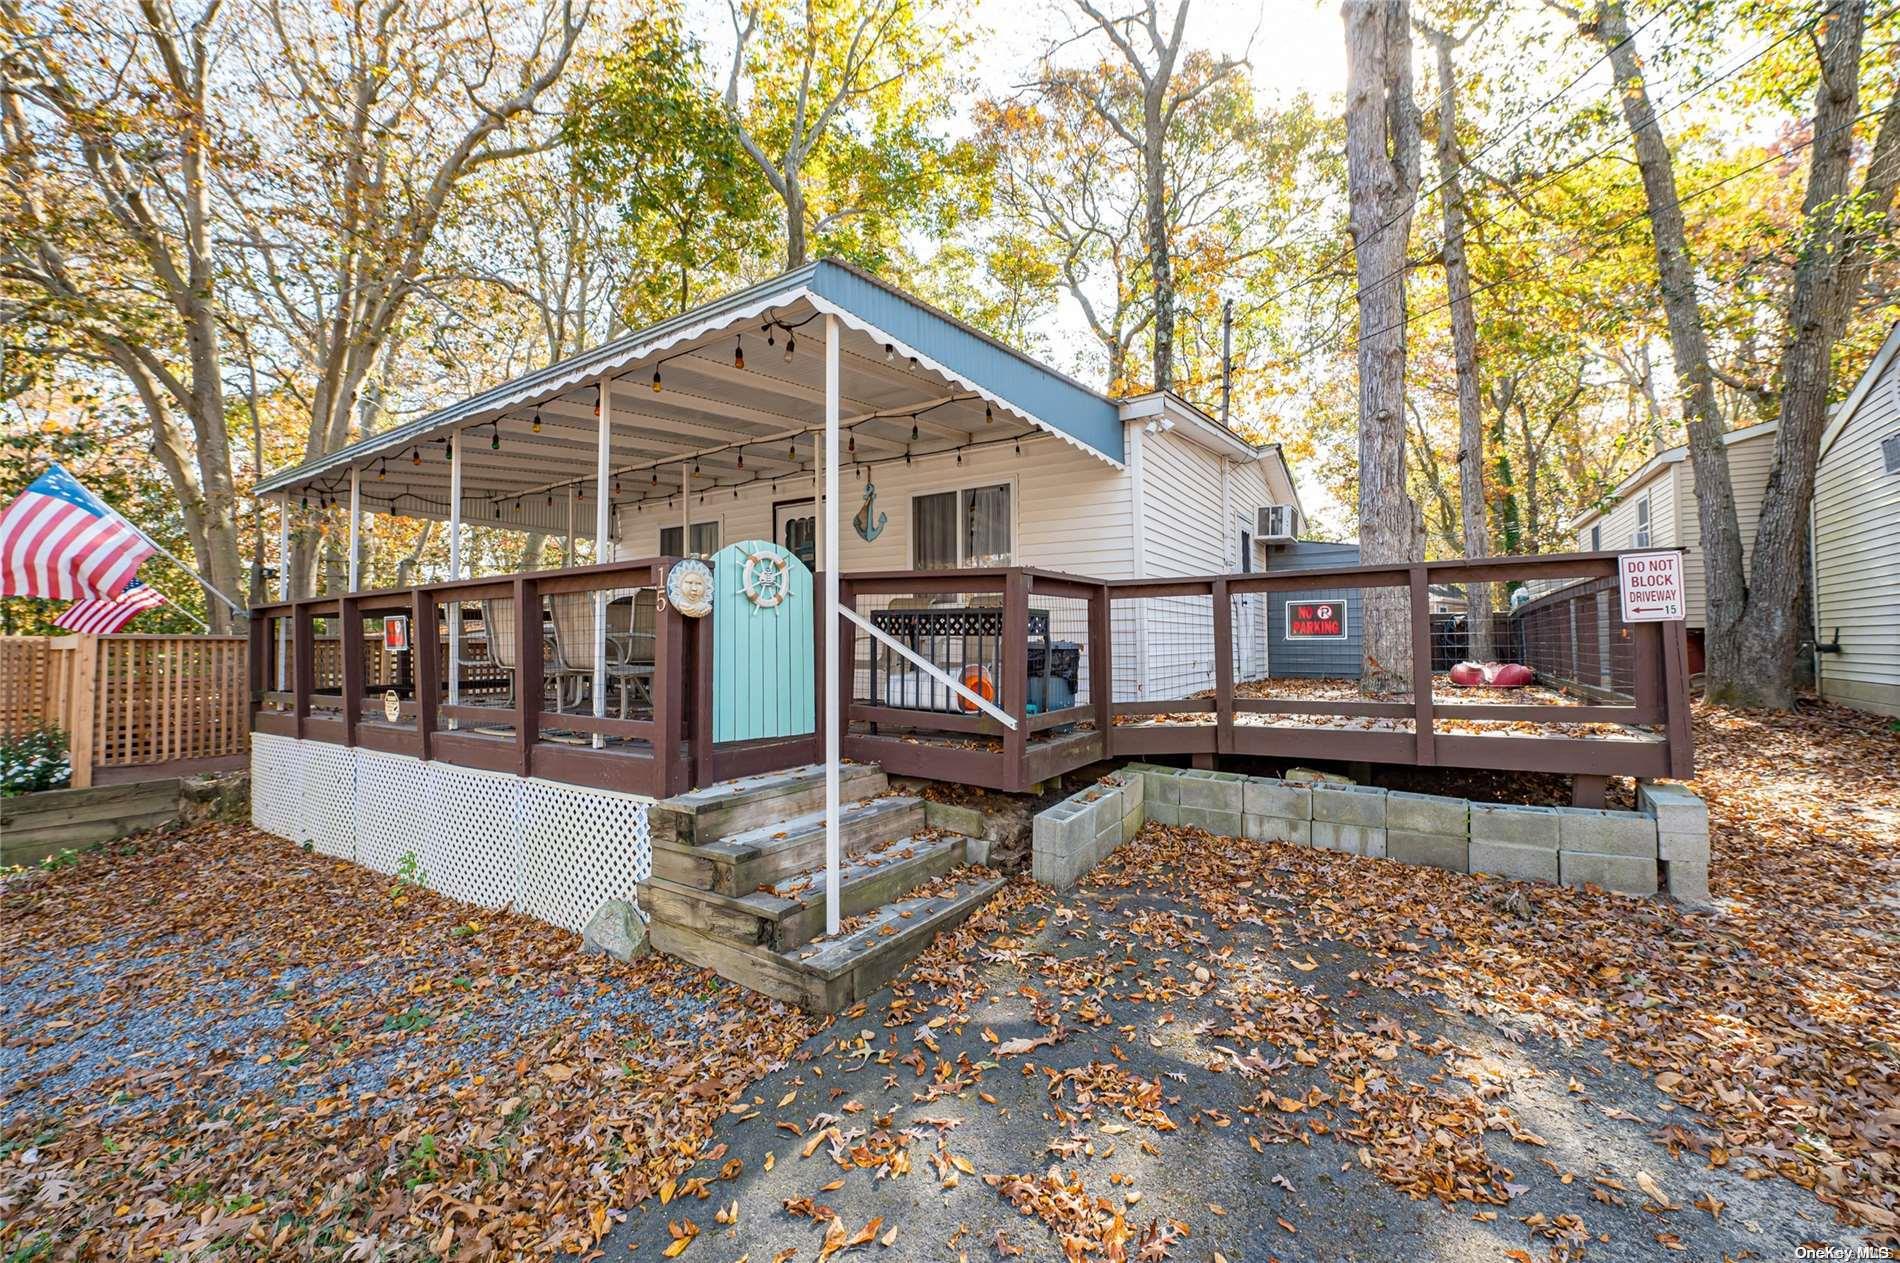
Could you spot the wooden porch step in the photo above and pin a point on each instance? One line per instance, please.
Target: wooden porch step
(717, 811)
(794, 913)
(740, 863)
(826, 975)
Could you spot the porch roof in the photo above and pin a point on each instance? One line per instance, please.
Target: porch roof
(729, 408)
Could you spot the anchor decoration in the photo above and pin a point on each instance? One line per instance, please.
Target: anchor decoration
(867, 530)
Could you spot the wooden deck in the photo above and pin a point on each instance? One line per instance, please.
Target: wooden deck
(1616, 703)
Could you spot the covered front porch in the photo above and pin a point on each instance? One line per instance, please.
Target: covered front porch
(793, 395)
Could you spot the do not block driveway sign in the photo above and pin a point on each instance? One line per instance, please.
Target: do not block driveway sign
(1651, 584)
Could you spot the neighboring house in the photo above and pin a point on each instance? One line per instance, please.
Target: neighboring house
(1855, 536)
(1655, 508)
(1185, 498)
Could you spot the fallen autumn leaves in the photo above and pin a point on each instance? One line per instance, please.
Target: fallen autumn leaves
(484, 1088)
(218, 1040)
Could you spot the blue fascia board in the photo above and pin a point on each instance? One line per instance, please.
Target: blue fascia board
(1032, 387)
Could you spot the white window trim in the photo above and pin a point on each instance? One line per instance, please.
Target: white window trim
(970, 484)
(1644, 524)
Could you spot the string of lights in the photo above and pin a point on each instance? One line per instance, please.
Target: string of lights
(328, 492)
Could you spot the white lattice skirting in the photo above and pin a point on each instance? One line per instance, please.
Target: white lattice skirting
(553, 851)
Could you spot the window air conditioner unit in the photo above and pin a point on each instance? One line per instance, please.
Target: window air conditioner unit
(1276, 523)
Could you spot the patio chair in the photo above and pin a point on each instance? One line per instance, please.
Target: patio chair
(574, 644)
(500, 631)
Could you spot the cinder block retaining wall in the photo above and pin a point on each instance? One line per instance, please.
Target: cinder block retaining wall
(1664, 844)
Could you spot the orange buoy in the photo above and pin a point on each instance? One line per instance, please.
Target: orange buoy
(977, 679)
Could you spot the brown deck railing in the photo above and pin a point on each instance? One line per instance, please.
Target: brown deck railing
(648, 754)
(1650, 665)
(988, 627)
(1085, 669)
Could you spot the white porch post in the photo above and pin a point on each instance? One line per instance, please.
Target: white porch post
(283, 589)
(356, 529)
(603, 525)
(834, 628)
(572, 542)
(455, 573)
(686, 508)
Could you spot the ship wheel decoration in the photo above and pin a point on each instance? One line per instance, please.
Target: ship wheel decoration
(767, 580)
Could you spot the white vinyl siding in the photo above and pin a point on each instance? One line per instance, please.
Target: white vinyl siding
(1748, 461)
(1185, 493)
(1857, 553)
(1669, 490)
(1071, 513)
(1071, 510)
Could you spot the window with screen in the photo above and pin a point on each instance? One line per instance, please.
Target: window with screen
(1890, 452)
(1642, 522)
(1596, 539)
(705, 540)
(934, 531)
(950, 529)
(986, 526)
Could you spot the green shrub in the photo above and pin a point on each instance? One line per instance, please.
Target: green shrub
(34, 760)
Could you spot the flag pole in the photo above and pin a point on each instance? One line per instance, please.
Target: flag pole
(202, 625)
(166, 553)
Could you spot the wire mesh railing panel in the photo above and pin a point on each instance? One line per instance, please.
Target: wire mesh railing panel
(1577, 645)
(1250, 624)
(961, 634)
(1310, 646)
(1164, 647)
(1059, 668)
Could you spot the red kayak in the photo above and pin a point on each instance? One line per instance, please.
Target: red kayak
(1497, 675)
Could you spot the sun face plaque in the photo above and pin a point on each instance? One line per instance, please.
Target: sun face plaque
(689, 586)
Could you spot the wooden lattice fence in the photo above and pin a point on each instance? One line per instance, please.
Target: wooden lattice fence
(165, 703)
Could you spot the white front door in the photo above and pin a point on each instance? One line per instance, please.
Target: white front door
(795, 528)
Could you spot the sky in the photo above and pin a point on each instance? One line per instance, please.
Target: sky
(1292, 45)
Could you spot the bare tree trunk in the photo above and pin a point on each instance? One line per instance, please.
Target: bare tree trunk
(164, 224)
(795, 242)
(1464, 345)
(1828, 278)
(1509, 518)
(1688, 344)
(1382, 181)
(1154, 163)
(1159, 102)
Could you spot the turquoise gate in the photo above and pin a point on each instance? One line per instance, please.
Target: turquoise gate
(762, 643)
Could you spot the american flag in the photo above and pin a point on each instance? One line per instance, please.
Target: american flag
(61, 542)
(101, 616)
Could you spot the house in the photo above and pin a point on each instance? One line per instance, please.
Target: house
(1854, 533)
(1170, 491)
(1009, 577)
(1655, 507)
